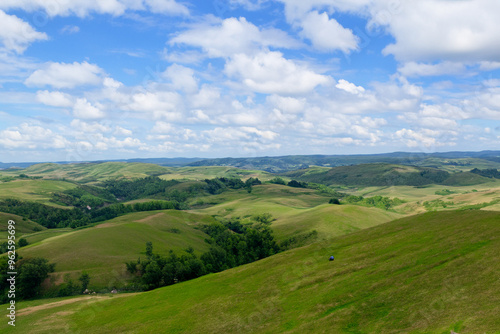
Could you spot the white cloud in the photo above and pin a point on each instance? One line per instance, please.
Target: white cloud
(54, 99)
(327, 34)
(232, 36)
(119, 131)
(447, 30)
(159, 103)
(414, 69)
(83, 8)
(70, 29)
(182, 78)
(89, 127)
(271, 73)
(64, 75)
(166, 7)
(349, 87)
(423, 138)
(17, 35)
(85, 110)
(31, 137)
(287, 104)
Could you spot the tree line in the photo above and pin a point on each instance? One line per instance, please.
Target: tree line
(231, 244)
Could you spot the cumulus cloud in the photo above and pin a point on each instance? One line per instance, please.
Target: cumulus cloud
(448, 30)
(31, 137)
(85, 110)
(17, 35)
(349, 87)
(271, 73)
(233, 36)
(287, 104)
(414, 69)
(182, 78)
(327, 34)
(54, 99)
(64, 75)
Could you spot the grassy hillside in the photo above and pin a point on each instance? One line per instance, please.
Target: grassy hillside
(23, 227)
(297, 211)
(378, 174)
(33, 190)
(430, 273)
(210, 172)
(94, 172)
(102, 250)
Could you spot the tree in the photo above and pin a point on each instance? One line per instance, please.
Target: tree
(31, 274)
(334, 201)
(23, 242)
(85, 280)
(149, 249)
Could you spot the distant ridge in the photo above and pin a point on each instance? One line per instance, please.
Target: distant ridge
(170, 162)
(292, 162)
(295, 162)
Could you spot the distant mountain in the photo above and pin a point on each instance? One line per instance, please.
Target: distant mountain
(169, 162)
(295, 162)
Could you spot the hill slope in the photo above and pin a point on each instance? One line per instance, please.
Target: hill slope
(428, 273)
(102, 250)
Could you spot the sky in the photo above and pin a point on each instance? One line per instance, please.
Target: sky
(84, 80)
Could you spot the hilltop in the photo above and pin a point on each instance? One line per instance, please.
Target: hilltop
(433, 272)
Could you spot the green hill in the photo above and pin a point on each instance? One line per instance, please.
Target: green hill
(94, 172)
(430, 273)
(33, 190)
(297, 211)
(102, 250)
(377, 174)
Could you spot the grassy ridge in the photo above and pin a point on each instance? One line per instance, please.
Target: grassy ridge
(297, 211)
(102, 250)
(430, 273)
(33, 190)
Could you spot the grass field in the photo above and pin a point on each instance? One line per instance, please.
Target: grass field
(33, 190)
(210, 172)
(297, 211)
(102, 250)
(429, 273)
(23, 227)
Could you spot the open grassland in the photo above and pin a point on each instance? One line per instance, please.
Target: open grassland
(23, 227)
(210, 172)
(97, 172)
(296, 211)
(437, 195)
(103, 249)
(39, 191)
(429, 273)
(458, 165)
(93, 172)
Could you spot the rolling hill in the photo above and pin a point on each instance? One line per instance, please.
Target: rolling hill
(103, 250)
(429, 273)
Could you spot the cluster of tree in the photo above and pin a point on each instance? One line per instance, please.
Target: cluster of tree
(4, 246)
(490, 173)
(297, 184)
(30, 275)
(84, 196)
(127, 190)
(221, 184)
(231, 244)
(71, 288)
(380, 202)
(52, 217)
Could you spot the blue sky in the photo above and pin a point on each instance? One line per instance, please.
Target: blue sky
(89, 80)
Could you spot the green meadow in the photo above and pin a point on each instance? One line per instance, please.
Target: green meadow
(418, 274)
(102, 250)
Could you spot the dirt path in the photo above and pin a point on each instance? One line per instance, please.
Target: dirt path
(29, 310)
(151, 217)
